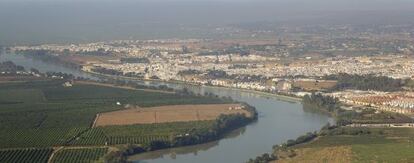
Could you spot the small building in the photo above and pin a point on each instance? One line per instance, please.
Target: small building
(67, 84)
(284, 86)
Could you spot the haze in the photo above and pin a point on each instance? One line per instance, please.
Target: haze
(32, 22)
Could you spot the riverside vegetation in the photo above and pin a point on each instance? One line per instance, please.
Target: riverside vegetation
(41, 117)
(339, 143)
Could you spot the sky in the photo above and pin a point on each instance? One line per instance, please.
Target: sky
(74, 20)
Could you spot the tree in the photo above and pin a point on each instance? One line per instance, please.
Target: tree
(36, 71)
(366, 82)
(66, 51)
(185, 49)
(318, 101)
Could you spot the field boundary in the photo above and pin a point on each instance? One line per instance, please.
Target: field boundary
(94, 121)
(53, 153)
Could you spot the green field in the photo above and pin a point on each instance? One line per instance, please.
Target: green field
(138, 134)
(25, 155)
(79, 155)
(38, 115)
(379, 145)
(44, 113)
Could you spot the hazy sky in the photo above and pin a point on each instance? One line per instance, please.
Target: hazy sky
(39, 20)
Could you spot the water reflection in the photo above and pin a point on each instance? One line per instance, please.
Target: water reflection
(189, 150)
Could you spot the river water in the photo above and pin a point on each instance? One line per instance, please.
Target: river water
(279, 120)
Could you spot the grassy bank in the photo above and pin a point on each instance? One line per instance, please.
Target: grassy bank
(338, 143)
(371, 145)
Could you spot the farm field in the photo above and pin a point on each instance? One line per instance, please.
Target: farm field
(79, 155)
(164, 114)
(39, 115)
(138, 134)
(44, 113)
(25, 155)
(314, 85)
(337, 154)
(382, 145)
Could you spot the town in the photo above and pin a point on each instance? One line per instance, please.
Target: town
(267, 65)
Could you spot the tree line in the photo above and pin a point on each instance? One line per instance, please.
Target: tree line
(366, 82)
(10, 67)
(135, 60)
(222, 125)
(324, 103)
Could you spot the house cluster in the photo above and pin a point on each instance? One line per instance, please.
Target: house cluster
(273, 85)
(400, 102)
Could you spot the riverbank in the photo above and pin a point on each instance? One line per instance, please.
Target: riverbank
(279, 96)
(79, 103)
(348, 144)
(347, 132)
(273, 112)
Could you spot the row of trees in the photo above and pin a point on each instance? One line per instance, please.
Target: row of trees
(113, 72)
(103, 70)
(189, 72)
(39, 155)
(9, 66)
(318, 101)
(265, 158)
(222, 125)
(301, 139)
(135, 60)
(132, 84)
(366, 82)
(283, 150)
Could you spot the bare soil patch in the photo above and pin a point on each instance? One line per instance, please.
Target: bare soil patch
(164, 114)
(314, 85)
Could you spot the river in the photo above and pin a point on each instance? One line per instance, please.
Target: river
(279, 120)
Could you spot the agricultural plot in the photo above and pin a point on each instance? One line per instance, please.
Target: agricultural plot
(25, 155)
(339, 154)
(91, 137)
(138, 134)
(315, 85)
(166, 114)
(109, 95)
(37, 137)
(38, 115)
(44, 113)
(381, 145)
(79, 155)
(15, 96)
